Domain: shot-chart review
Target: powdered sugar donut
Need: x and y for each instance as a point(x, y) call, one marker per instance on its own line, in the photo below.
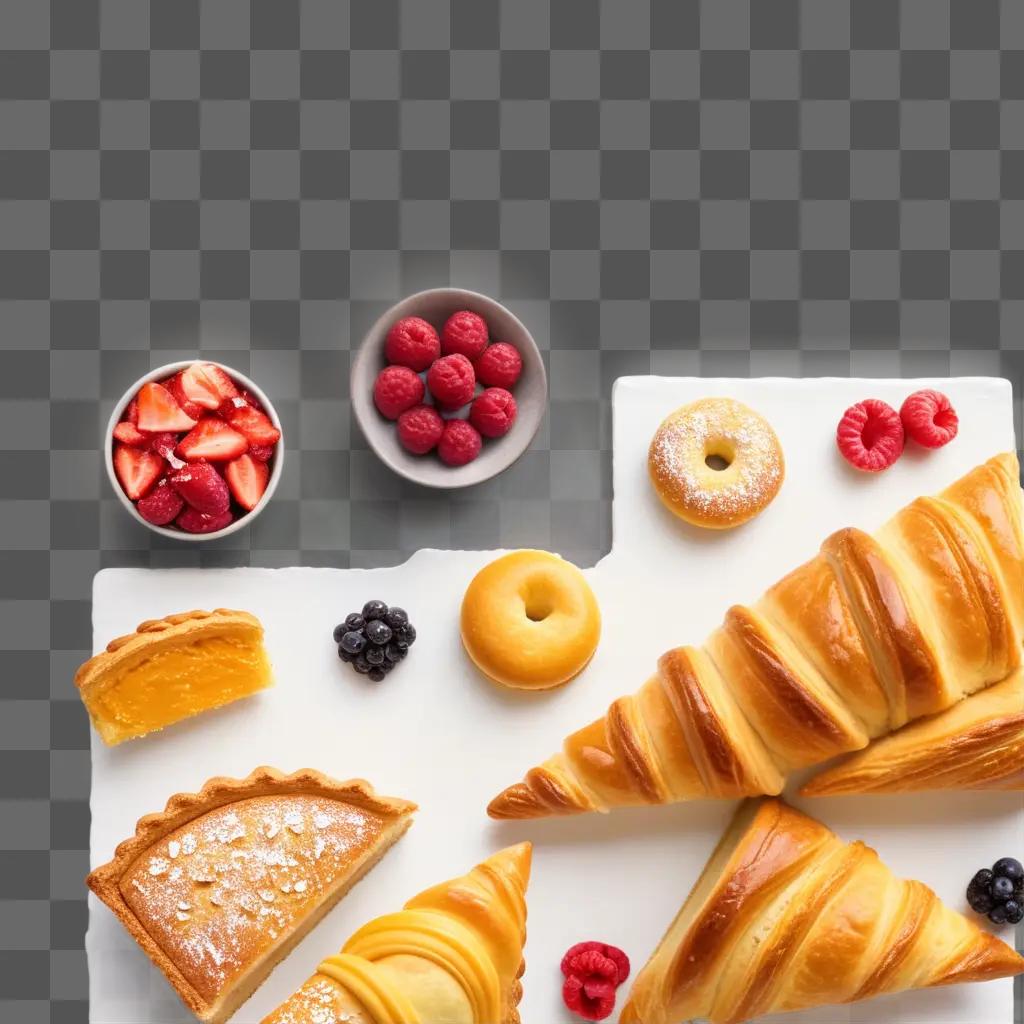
point(716, 463)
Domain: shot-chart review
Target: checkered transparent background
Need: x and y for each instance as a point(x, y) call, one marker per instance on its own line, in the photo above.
point(726, 188)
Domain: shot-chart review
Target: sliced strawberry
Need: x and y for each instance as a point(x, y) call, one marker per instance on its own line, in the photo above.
point(158, 410)
point(202, 487)
point(207, 385)
point(212, 439)
point(247, 479)
point(192, 409)
point(194, 521)
point(163, 444)
point(254, 423)
point(128, 433)
point(131, 412)
point(137, 470)
point(161, 505)
point(261, 452)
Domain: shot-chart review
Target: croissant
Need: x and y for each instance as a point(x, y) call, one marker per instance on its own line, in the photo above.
point(453, 955)
point(787, 916)
point(977, 744)
point(870, 634)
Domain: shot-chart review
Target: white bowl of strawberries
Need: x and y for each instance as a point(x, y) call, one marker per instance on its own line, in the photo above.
point(449, 388)
point(194, 450)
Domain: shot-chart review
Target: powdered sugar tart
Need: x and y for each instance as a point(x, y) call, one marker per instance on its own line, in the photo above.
point(220, 886)
point(716, 463)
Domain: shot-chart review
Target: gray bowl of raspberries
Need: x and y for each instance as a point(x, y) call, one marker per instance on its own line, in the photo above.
point(449, 388)
point(375, 640)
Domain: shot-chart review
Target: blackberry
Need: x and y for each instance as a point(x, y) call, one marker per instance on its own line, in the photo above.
point(1014, 911)
point(374, 640)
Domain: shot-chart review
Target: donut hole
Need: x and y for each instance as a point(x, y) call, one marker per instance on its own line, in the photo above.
point(716, 462)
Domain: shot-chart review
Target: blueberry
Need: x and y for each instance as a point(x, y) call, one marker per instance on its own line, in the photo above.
point(374, 610)
point(1014, 911)
point(998, 915)
point(1009, 868)
point(1002, 888)
point(407, 634)
point(353, 642)
point(377, 674)
point(396, 618)
point(395, 653)
point(374, 655)
point(339, 631)
point(355, 621)
point(378, 632)
point(343, 654)
point(361, 665)
point(979, 894)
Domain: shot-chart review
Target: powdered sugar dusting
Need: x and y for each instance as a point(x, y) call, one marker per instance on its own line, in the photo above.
point(314, 1003)
point(716, 426)
point(242, 875)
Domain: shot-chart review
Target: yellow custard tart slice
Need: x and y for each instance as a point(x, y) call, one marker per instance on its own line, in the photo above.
point(172, 668)
point(219, 887)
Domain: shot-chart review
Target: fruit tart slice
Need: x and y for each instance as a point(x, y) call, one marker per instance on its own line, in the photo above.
point(173, 668)
point(222, 885)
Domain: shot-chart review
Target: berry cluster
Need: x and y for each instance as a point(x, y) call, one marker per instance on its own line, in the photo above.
point(872, 433)
point(447, 367)
point(593, 971)
point(194, 451)
point(375, 640)
point(999, 893)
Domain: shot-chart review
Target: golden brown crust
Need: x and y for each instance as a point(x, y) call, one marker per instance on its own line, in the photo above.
point(787, 916)
point(977, 744)
point(182, 808)
point(156, 634)
point(870, 634)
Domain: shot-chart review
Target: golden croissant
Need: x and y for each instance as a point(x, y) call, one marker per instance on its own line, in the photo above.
point(453, 955)
point(977, 744)
point(872, 633)
point(787, 916)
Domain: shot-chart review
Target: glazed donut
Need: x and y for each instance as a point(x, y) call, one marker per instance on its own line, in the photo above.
point(715, 463)
point(530, 620)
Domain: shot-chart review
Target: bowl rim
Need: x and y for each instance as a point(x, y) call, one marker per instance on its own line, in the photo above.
point(167, 370)
point(362, 404)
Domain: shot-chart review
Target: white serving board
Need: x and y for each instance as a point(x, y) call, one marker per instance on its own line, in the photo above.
point(438, 733)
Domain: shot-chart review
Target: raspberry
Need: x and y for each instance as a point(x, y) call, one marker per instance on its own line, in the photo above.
point(592, 1000)
point(419, 429)
point(499, 366)
point(493, 412)
point(870, 435)
point(465, 333)
point(412, 342)
point(929, 419)
point(460, 443)
point(452, 381)
point(396, 389)
point(579, 960)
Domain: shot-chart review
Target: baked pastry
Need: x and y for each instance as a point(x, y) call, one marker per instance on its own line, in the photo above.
point(976, 744)
point(870, 634)
point(221, 886)
point(787, 916)
point(453, 955)
point(173, 668)
point(530, 620)
point(715, 463)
